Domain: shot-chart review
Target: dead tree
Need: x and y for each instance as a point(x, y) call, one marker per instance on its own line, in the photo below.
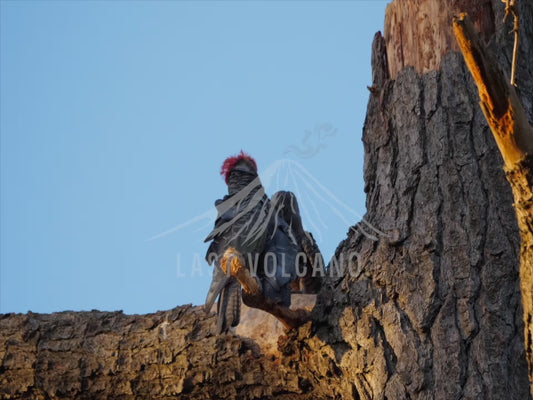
point(514, 136)
point(423, 298)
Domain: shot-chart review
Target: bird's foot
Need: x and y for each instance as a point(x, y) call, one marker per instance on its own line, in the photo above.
point(290, 318)
point(232, 263)
point(293, 319)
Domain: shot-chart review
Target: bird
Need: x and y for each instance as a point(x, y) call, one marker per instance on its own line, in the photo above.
point(257, 244)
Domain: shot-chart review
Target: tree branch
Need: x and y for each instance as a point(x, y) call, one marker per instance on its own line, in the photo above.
point(499, 101)
point(510, 8)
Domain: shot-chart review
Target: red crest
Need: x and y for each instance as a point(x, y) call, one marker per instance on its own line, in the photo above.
point(230, 163)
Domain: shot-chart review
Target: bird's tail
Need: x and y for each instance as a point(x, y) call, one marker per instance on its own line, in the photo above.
point(229, 306)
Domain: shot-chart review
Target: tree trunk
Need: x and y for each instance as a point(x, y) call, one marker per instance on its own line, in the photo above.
point(429, 306)
point(514, 136)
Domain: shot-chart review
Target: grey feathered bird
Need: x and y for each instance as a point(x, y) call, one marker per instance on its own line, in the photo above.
point(268, 235)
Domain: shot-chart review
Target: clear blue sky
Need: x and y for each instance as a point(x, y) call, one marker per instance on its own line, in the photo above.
point(116, 116)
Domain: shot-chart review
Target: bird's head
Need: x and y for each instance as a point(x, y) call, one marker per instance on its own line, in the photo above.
point(241, 162)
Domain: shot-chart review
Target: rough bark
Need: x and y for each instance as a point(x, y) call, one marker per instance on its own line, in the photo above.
point(521, 180)
point(514, 136)
point(428, 309)
point(90, 355)
point(441, 292)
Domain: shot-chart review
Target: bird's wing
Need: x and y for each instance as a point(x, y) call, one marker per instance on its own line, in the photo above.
point(278, 264)
point(288, 210)
point(224, 214)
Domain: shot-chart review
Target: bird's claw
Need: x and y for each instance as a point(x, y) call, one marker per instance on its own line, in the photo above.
point(231, 262)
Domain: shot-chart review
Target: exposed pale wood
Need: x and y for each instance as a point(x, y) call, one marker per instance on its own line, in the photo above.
point(418, 32)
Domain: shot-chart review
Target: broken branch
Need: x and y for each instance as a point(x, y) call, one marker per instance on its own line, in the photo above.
point(499, 101)
point(511, 8)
